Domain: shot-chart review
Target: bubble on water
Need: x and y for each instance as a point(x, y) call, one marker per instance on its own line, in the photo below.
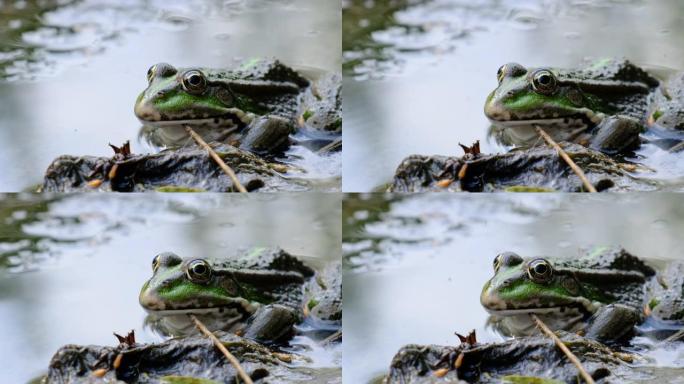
point(660, 224)
point(564, 244)
point(361, 215)
point(571, 35)
point(525, 19)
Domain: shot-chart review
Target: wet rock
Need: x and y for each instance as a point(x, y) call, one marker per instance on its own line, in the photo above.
point(190, 357)
point(490, 363)
point(185, 169)
point(535, 169)
point(323, 105)
point(326, 303)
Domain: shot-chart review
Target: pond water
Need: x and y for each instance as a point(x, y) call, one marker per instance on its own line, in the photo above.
point(415, 265)
point(70, 71)
point(418, 72)
point(72, 266)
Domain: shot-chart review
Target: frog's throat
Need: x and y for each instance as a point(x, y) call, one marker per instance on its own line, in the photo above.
point(232, 305)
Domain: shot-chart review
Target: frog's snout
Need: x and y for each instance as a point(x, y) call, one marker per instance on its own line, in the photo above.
point(494, 109)
point(490, 300)
point(150, 301)
point(145, 111)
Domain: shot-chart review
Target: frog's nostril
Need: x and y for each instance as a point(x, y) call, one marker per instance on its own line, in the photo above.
point(161, 94)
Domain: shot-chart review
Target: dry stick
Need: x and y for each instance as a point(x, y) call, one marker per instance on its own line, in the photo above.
point(241, 372)
point(567, 159)
point(229, 171)
point(573, 359)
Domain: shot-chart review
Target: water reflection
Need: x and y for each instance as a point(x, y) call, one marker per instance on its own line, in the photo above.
point(415, 265)
point(73, 266)
point(72, 74)
point(421, 89)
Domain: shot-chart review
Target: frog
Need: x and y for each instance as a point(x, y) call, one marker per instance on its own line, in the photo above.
point(258, 293)
point(601, 294)
point(259, 101)
point(603, 105)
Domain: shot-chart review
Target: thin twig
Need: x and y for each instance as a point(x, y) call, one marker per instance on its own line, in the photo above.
point(567, 159)
point(675, 337)
point(229, 171)
point(573, 359)
point(333, 337)
point(241, 372)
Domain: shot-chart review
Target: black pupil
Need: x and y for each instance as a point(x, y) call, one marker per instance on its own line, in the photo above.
point(194, 80)
point(199, 269)
point(540, 269)
point(544, 79)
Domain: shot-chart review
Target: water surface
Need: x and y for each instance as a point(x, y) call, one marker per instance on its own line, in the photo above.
point(415, 265)
point(72, 266)
point(418, 72)
point(70, 71)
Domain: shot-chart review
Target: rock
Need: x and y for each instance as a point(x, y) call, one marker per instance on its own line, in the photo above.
point(538, 168)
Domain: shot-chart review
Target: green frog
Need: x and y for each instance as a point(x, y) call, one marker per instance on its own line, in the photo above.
point(259, 294)
point(604, 106)
point(259, 101)
point(602, 293)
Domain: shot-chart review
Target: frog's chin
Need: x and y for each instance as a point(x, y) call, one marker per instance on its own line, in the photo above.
point(179, 322)
point(524, 132)
point(518, 322)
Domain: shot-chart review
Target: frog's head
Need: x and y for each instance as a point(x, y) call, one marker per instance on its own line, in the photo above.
point(538, 96)
point(522, 286)
point(191, 285)
point(177, 96)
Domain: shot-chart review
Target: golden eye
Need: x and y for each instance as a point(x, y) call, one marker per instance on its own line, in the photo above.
point(497, 262)
point(500, 73)
point(544, 82)
point(155, 263)
point(151, 72)
point(540, 271)
point(198, 271)
point(194, 81)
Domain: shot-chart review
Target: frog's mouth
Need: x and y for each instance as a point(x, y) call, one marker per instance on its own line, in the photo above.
point(564, 310)
point(231, 117)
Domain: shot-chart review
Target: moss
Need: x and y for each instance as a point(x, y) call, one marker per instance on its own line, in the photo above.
point(653, 303)
point(312, 304)
point(174, 188)
point(526, 188)
point(186, 380)
point(657, 114)
point(517, 379)
point(307, 114)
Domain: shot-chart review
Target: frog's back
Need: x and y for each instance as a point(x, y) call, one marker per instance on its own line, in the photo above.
point(267, 259)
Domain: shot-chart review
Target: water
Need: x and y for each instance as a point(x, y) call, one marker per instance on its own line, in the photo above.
point(418, 72)
point(415, 265)
point(73, 265)
point(70, 71)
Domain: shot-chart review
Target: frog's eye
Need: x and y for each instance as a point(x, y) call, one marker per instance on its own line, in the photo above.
point(544, 82)
point(500, 73)
point(155, 263)
point(540, 271)
point(150, 73)
point(198, 271)
point(507, 259)
point(194, 82)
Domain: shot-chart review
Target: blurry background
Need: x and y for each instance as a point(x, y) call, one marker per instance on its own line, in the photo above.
point(71, 267)
point(414, 266)
point(417, 72)
point(70, 70)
